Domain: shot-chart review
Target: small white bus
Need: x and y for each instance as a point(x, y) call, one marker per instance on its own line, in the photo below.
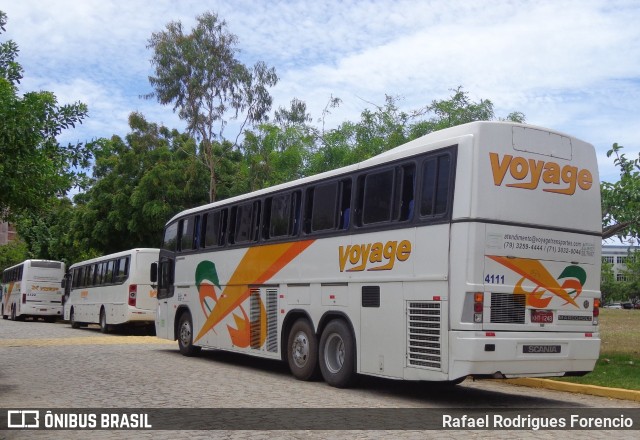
point(472, 251)
point(33, 289)
point(112, 290)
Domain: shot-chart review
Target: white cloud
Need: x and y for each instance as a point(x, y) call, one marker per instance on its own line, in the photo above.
point(572, 65)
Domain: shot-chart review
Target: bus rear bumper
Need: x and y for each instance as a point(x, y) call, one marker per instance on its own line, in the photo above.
point(137, 315)
point(519, 354)
point(41, 310)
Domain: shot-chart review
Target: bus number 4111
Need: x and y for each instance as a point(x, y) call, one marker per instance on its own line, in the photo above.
point(494, 279)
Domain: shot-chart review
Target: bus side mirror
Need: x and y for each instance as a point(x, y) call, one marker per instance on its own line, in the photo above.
point(63, 284)
point(153, 275)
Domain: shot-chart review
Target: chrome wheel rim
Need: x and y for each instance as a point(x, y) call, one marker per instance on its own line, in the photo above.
point(300, 348)
point(334, 353)
point(185, 333)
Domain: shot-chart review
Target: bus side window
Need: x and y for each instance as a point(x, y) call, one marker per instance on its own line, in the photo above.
point(222, 231)
point(279, 216)
point(378, 197)
point(210, 229)
point(108, 276)
point(185, 234)
point(405, 189)
point(435, 186)
point(257, 211)
point(321, 209)
point(244, 223)
point(345, 204)
point(196, 232)
point(296, 202)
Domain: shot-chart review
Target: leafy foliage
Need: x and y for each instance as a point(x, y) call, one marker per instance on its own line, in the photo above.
point(621, 200)
point(139, 183)
point(34, 167)
point(12, 253)
point(201, 76)
point(387, 126)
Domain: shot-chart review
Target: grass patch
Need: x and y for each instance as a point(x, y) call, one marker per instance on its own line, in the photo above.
point(613, 371)
point(619, 362)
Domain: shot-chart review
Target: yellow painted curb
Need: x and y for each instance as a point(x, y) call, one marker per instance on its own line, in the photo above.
point(593, 390)
point(88, 340)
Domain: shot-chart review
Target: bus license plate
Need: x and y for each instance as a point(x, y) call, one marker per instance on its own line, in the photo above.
point(541, 349)
point(542, 316)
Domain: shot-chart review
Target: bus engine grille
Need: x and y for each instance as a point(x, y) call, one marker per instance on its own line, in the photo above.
point(507, 308)
point(424, 335)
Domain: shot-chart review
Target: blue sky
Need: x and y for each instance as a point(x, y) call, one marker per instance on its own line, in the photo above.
point(573, 66)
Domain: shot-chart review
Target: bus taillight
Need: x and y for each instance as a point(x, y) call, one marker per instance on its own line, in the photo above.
point(478, 304)
point(24, 298)
point(133, 294)
point(596, 311)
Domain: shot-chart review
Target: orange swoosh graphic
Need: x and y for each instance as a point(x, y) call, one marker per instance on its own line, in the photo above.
point(534, 271)
point(258, 265)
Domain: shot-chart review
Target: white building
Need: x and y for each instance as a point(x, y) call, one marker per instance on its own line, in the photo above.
point(617, 255)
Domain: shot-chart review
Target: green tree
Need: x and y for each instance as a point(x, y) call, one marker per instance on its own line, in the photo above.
point(13, 253)
point(139, 184)
point(621, 200)
point(632, 277)
point(456, 110)
point(387, 126)
point(609, 287)
point(34, 167)
point(278, 153)
point(200, 74)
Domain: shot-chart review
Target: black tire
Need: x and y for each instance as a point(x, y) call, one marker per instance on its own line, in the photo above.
point(185, 336)
point(13, 313)
point(104, 327)
point(337, 354)
point(302, 350)
point(72, 320)
point(3, 315)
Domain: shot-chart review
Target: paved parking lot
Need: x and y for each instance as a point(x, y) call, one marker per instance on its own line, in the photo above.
point(53, 366)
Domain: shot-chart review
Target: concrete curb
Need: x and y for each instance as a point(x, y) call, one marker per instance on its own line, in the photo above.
point(594, 390)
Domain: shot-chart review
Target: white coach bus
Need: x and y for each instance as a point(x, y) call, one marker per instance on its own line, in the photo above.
point(33, 289)
point(472, 251)
point(111, 290)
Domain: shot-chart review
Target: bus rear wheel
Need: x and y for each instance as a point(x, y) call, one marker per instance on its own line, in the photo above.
point(337, 359)
point(185, 336)
point(302, 350)
point(72, 319)
point(104, 327)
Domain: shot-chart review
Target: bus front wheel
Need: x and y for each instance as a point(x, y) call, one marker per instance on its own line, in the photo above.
point(337, 360)
point(302, 350)
point(185, 336)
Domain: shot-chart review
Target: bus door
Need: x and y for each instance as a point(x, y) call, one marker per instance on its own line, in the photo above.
point(164, 319)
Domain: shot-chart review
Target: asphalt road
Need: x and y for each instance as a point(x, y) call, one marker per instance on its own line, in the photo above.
point(53, 366)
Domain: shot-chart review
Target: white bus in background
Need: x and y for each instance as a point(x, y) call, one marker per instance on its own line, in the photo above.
point(112, 290)
point(472, 251)
point(33, 289)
